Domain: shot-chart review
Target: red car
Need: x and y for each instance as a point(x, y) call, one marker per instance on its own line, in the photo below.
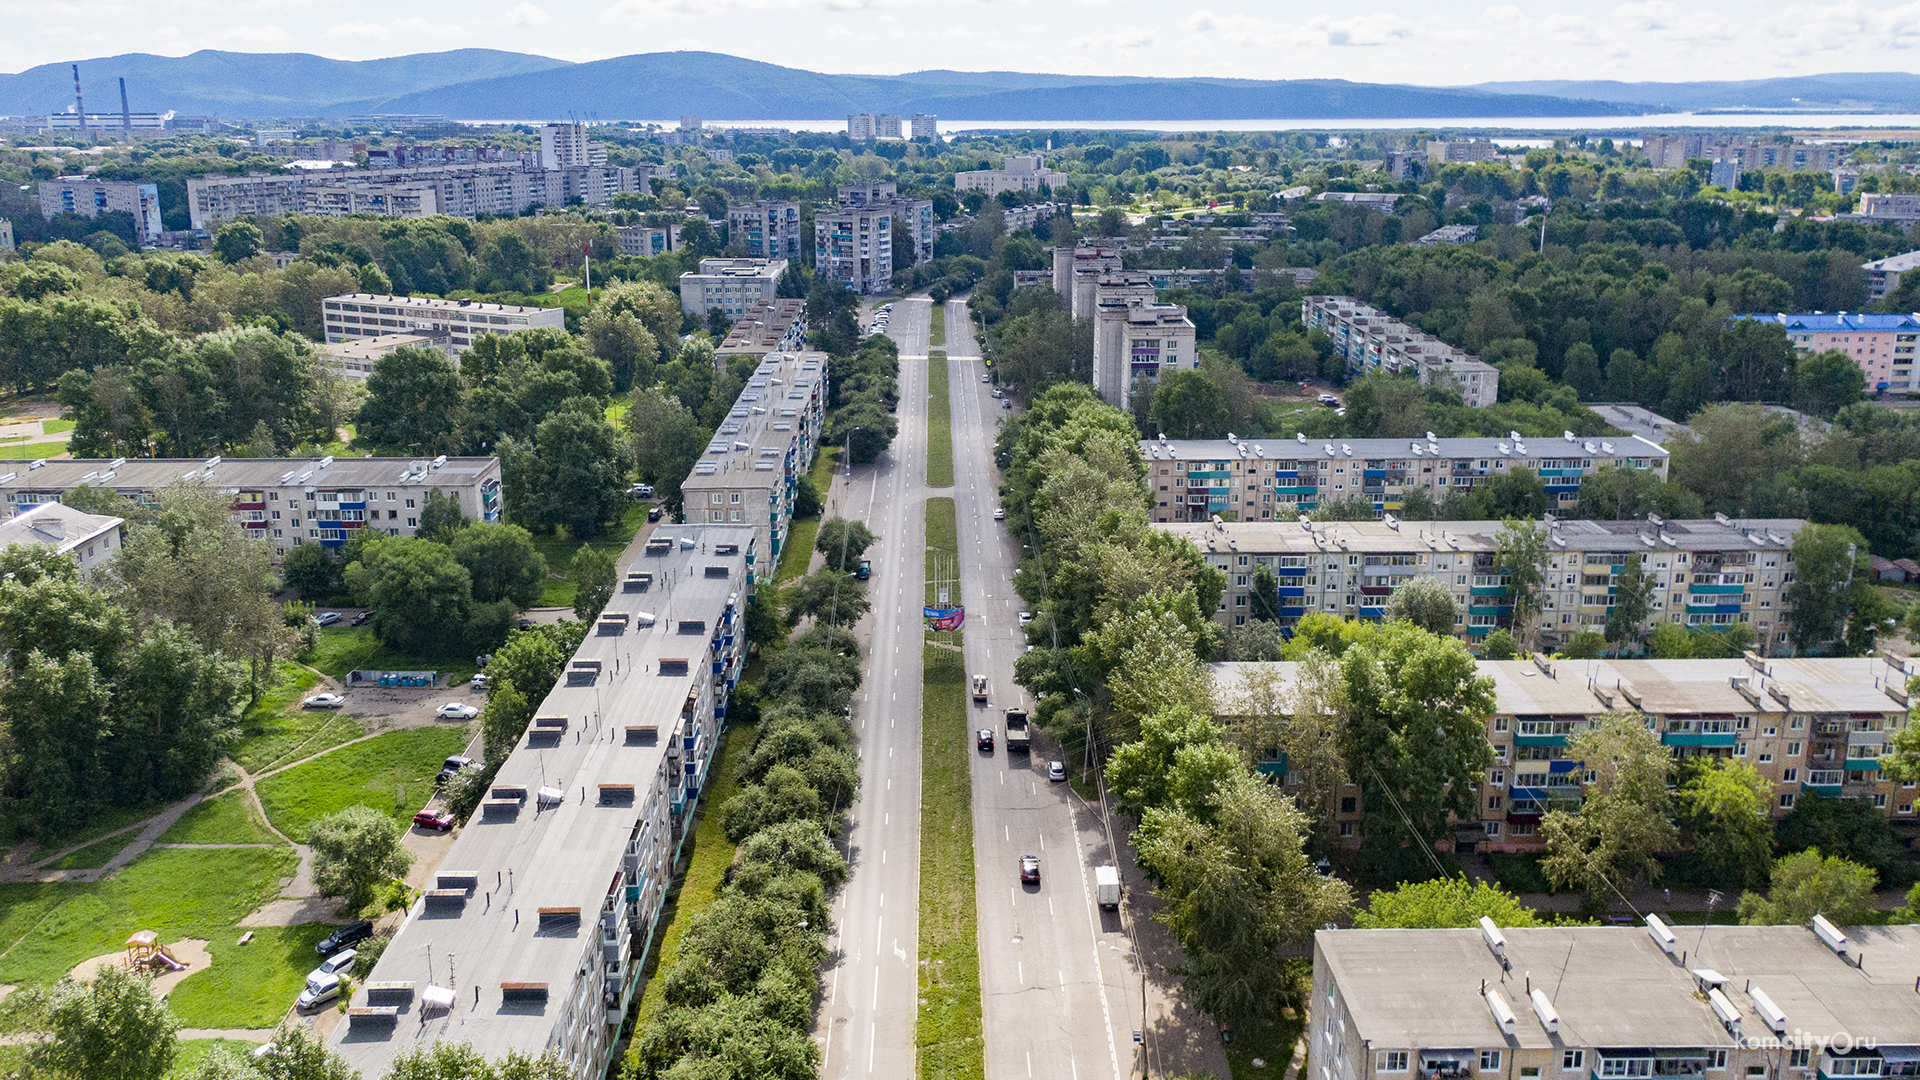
point(435, 820)
point(1029, 870)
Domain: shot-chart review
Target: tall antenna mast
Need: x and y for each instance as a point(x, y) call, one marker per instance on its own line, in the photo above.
point(79, 106)
point(126, 114)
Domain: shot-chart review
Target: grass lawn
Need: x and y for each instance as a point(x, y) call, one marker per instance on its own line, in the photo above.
point(223, 819)
point(98, 853)
point(46, 929)
point(33, 451)
point(343, 648)
point(277, 730)
point(248, 985)
point(192, 1052)
point(560, 550)
point(706, 872)
point(798, 551)
point(392, 773)
point(1272, 1044)
point(948, 1033)
point(821, 474)
point(937, 334)
point(939, 426)
point(55, 427)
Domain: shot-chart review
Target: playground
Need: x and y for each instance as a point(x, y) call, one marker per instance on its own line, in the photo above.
point(143, 954)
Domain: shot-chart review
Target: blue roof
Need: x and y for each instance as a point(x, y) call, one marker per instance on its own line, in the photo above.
point(1821, 322)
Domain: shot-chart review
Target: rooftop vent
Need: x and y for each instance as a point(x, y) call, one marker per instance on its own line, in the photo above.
point(1502, 1015)
point(1543, 1008)
point(1662, 936)
point(1775, 1019)
point(1496, 941)
point(1829, 934)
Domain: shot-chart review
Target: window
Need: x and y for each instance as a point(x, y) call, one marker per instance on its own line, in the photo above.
point(1765, 758)
point(1573, 1060)
point(1716, 1059)
point(1392, 1061)
point(1529, 1070)
point(409, 504)
point(1786, 802)
point(1499, 723)
point(1489, 1061)
point(1347, 804)
point(1493, 829)
point(1497, 778)
point(1879, 802)
point(1494, 802)
point(1788, 776)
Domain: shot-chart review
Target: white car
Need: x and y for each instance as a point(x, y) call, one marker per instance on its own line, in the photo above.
point(323, 701)
point(320, 990)
point(335, 964)
point(999, 513)
point(456, 710)
point(984, 377)
point(1026, 617)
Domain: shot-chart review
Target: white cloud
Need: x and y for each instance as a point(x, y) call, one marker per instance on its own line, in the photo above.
point(1125, 37)
point(360, 31)
point(527, 14)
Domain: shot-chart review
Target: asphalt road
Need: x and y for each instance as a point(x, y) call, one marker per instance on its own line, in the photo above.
point(1061, 993)
point(866, 1025)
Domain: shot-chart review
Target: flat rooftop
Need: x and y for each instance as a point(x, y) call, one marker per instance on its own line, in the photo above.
point(424, 302)
point(1378, 537)
point(1301, 448)
point(1614, 987)
point(152, 474)
point(749, 449)
point(564, 855)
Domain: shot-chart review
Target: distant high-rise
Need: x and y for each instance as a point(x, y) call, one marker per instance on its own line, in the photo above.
point(691, 123)
point(924, 126)
point(565, 146)
point(886, 126)
point(860, 126)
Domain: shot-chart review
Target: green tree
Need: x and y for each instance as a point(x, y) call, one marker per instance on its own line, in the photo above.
point(440, 516)
point(356, 850)
point(114, 1028)
point(1583, 645)
point(594, 579)
point(1633, 589)
point(832, 597)
point(533, 658)
point(1266, 595)
point(416, 403)
point(577, 474)
point(1823, 560)
point(502, 563)
point(1627, 817)
point(237, 241)
point(1141, 773)
point(1726, 812)
point(460, 1061)
point(1188, 405)
point(1522, 553)
point(504, 720)
point(865, 427)
point(1427, 603)
point(1582, 371)
point(312, 569)
point(1670, 641)
point(1805, 884)
point(420, 593)
point(1443, 902)
point(1826, 382)
point(297, 1055)
point(843, 542)
point(1499, 645)
point(667, 440)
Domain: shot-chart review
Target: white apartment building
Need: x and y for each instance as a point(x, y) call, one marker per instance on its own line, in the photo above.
point(732, 285)
point(853, 245)
point(1442, 151)
point(1883, 275)
point(352, 316)
point(867, 126)
point(564, 146)
point(1892, 205)
point(915, 214)
point(282, 501)
point(88, 197)
point(92, 539)
point(925, 126)
point(534, 933)
point(1279, 479)
point(1136, 340)
point(500, 189)
point(1020, 172)
point(752, 468)
point(1709, 573)
point(765, 228)
point(1084, 262)
point(645, 242)
point(354, 359)
point(769, 326)
point(1372, 340)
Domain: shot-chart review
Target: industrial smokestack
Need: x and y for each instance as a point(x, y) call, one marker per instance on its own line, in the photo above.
point(126, 114)
point(79, 106)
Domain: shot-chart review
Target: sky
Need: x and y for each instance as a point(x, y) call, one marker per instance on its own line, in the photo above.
point(1427, 42)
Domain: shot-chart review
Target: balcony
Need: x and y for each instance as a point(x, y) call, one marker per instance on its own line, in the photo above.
point(1823, 782)
point(1698, 738)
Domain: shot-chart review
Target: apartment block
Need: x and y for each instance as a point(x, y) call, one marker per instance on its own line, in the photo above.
point(499, 189)
point(854, 247)
point(533, 934)
point(645, 242)
point(1443, 151)
point(88, 197)
point(1136, 340)
point(769, 326)
point(915, 214)
point(1606, 1002)
point(765, 228)
point(751, 469)
point(1881, 344)
point(6, 235)
point(1371, 340)
point(1244, 480)
point(732, 285)
point(1745, 151)
point(1020, 173)
point(564, 146)
point(282, 501)
point(925, 126)
point(355, 358)
point(1707, 572)
point(1084, 261)
point(873, 126)
point(351, 316)
point(1883, 275)
point(93, 540)
point(1890, 205)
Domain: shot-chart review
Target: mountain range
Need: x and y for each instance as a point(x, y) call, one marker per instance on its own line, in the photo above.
point(488, 84)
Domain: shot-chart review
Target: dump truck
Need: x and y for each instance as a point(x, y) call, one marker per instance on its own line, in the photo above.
point(1106, 887)
point(1017, 736)
point(980, 689)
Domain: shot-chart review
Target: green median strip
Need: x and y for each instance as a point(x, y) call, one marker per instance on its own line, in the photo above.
point(939, 425)
point(948, 1034)
point(938, 335)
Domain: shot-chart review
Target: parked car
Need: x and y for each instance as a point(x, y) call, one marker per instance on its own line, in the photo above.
point(984, 377)
point(456, 710)
point(479, 682)
point(1006, 403)
point(1026, 617)
point(323, 701)
point(653, 513)
point(866, 570)
point(999, 513)
point(1029, 869)
point(1056, 770)
point(983, 739)
point(999, 393)
point(641, 491)
point(357, 620)
point(449, 767)
point(335, 964)
point(320, 990)
point(327, 618)
point(434, 820)
point(351, 934)
point(1329, 401)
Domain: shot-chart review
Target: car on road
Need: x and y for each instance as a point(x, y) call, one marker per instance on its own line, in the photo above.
point(999, 393)
point(1029, 869)
point(1026, 617)
point(983, 739)
point(1056, 770)
point(323, 701)
point(999, 513)
point(984, 377)
point(456, 710)
point(434, 820)
point(347, 936)
point(357, 620)
point(320, 989)
point(450, 768)
point(653, 513)
point(327, 618)
point(1006, 403)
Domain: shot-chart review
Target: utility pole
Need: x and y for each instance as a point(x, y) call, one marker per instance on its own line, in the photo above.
point(126, 115)
point(79, 105)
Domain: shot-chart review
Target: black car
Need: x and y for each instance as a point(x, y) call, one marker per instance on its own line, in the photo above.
point(360, 618)
point(450, 768)
point(983, 739)
point(348, 935)
point(653, 513)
